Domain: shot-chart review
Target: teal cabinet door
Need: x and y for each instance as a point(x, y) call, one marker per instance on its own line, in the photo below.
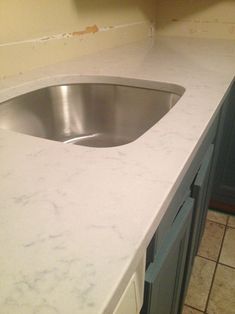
point(164, 276)
point(201, 194)
point(223, 196)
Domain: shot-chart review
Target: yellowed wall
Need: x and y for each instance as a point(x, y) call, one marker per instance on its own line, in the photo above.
point(35, 33)
point(196, 18)
point(41, 32)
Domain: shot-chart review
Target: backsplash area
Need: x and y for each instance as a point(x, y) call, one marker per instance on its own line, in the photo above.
point(37, 33)
point(196, 18)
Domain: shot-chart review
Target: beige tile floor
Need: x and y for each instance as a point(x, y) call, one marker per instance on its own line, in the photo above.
point(212, 284)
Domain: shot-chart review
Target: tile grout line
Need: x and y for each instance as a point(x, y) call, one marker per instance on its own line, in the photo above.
point(216, 222)
point(193, 308)
point(216, 266)
point(218, 212)
point(220, 223)
point(208, 259)
point(230, 227)
point(226, 227)
point(216, 262)
point(227, 219)
point(231, 267)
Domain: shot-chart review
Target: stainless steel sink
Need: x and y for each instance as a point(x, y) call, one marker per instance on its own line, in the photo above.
point(90, 114)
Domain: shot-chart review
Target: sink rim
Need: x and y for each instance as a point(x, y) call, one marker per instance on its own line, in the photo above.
point(157, 86)
point(90, 79)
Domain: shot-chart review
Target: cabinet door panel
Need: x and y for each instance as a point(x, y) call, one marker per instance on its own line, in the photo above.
point(164, 276)
point(201, 195)
point(128, 303)
point(132, 298)
point(224, 183)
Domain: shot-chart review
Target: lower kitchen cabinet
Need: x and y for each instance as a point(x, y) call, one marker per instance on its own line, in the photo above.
point(171, 252)
point(200, 191)
point(164, 275)
point(223, 196)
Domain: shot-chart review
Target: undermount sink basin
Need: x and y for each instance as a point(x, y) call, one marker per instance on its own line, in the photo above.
point(96, 114)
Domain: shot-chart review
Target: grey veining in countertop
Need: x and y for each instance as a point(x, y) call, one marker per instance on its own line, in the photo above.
point(74, 221)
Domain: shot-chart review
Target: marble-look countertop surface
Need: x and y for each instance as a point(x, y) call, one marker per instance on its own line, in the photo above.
point(74, 220)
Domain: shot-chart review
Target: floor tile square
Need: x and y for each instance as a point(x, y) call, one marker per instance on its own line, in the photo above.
point(231, 221)
point(227, 256)
point(189, 310)
point(222, 298)
point(200, 283)
point(211, 240)
point(217, 217)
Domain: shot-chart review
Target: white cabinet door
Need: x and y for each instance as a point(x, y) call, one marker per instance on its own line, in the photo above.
point(132, 298)
point(128, 302)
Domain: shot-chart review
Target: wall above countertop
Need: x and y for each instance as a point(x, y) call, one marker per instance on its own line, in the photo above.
point(196, 18)
point(35, 34)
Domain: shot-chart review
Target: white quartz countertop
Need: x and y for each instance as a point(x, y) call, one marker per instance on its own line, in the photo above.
point(74, 220)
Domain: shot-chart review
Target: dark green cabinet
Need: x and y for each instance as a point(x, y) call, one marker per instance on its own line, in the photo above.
point(171, 252)
point(223, 196)
point(201, 195)
point(200, 192)
point(164, 275)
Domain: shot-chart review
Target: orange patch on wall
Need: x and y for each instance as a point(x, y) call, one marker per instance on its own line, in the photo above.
point(88, 30)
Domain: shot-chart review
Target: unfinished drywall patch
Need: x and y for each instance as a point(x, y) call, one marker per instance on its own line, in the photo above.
point(88, 30)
